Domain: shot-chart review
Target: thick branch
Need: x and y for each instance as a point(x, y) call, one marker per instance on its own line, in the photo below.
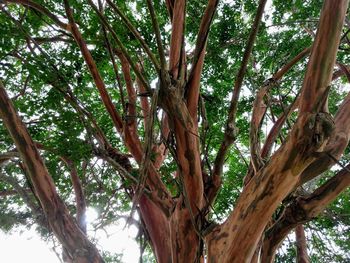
point(320, 68)
point(63, 225)
point(335, 145)
point(302, 256)
point(177, 41)
point(304, 209)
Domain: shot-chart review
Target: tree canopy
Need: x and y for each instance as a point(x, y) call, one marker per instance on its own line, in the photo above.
point(87, 79)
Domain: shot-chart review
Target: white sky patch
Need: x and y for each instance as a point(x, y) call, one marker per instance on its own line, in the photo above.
point(25, 247)
point(120, 239)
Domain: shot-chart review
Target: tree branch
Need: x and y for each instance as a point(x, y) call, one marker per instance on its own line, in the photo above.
point(54, 208)
point(202, 35)
point(314, 88)
point(42, 10)
point(302, 256)
point(117, 121)
point(303, 209)
point(155, 24)
point(121, 46)
point(80, 201)
point(260, 199)
point(177, 41)
point(230, 130)
point(137, 35)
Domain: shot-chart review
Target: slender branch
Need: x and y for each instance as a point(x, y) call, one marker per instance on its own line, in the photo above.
point(170, 6)
point(121, 46)
point(42, 10)
point(137, 35)
point(230, 130)
point(79, 193)
point(240, 75)
point(115, 67)
point(203, 33)
point(4, 157)
point(117, 121)
point(146, 159)
point(155, 24)
point(266, 150)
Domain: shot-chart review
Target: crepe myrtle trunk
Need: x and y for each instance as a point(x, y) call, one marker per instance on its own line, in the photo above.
point(177, 226)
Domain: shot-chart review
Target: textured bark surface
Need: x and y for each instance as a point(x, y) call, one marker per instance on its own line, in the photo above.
point(177, 226)
point(74, 241)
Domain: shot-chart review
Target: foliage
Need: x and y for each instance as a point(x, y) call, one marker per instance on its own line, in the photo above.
point(38, 71)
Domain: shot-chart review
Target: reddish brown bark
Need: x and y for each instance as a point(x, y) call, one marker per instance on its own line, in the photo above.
point(230, 129)
point(302, 256)
point(238, 237)
point(174, 225)
point(176, 59)
point(61, 222)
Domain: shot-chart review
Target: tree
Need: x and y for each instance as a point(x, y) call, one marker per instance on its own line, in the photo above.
point(135, 101)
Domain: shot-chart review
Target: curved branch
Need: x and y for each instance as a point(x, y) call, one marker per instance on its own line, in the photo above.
point(302, 210)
